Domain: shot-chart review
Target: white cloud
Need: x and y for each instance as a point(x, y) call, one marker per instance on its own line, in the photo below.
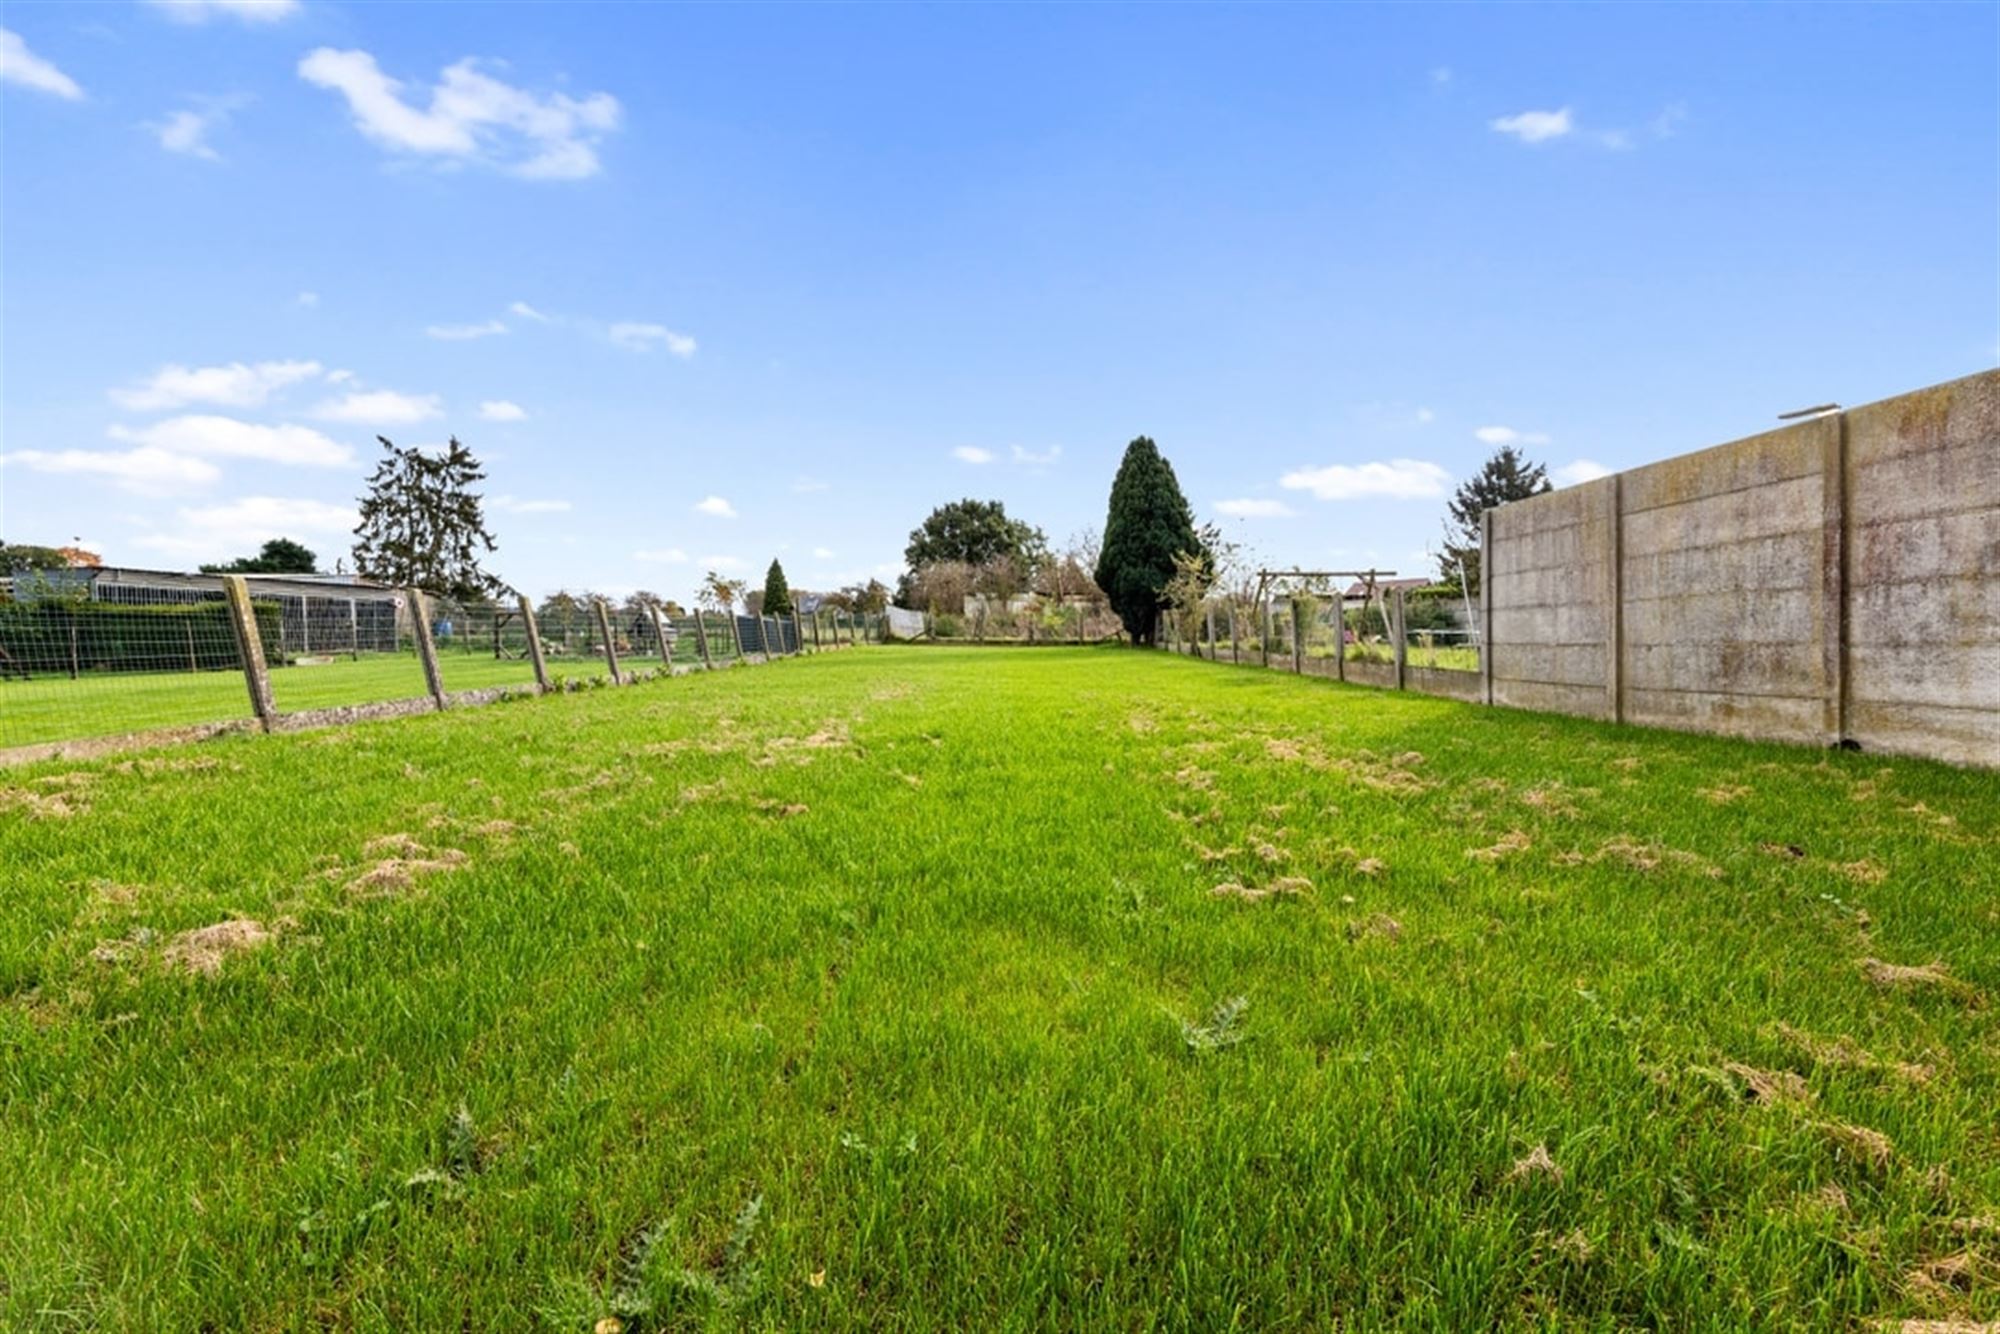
point(309, 298)
point(381, 407)
point(1440, 76)
point(804, 485)
point(1507, 435)
point(1534, 127)
point(527, 312)
point(226, 437)
point(213, 531)
point(1032, 459)
point(1425, 416)
point(716, 507)
point(458, 333)
point(145, 470)
point(720, 563)
point(250, 11)
point(644, 337)
point(972, 454)
point(502, 410)
point(1397, 479)
point(661, 556)
point(20, 65)
point(186, 131)
point(823, 553)
point(233, 386)
point(342, 376)
point(1254, 509)
point(1668, 123)
point(472, 116)
point(515, 505)
point(1583, 470)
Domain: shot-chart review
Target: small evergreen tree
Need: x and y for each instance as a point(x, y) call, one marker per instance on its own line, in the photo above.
point(422, 525)
point(1149, 523)
point(777, 593)
point(1505, 477)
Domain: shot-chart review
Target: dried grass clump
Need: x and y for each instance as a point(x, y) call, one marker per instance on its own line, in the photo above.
point(1769, 1087)
point(1511, 842)
point(204, 949)
point(1536, 1163)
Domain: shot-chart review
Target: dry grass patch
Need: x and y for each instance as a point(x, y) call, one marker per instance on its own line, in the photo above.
point(1536, 1164)
point(1285, 887)
point(204, 949)
point(1844, 1051)
point(1628, 851)
point(1770, 1087)
point(1913, 977)
point(1511, 842)
point(1375, 926)
point(1722, 794)
point(413, 862)
point(1871, 1147)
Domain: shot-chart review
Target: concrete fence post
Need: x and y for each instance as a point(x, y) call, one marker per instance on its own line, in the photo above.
point(798, 631)
point(816, 643)
point(420, 621)
point(250, 649)
point(535, 658)
point(1402, 641)
point(1614, 603)
point(660, 637)
point(1486, 606)
point(1235, 643)
point(735, 631)
point(1298, 637)
point(610, 640)
point(701, 638)
point(1264, 640)
point(1211, 632)
point(1833, 575)
point(1339, 635)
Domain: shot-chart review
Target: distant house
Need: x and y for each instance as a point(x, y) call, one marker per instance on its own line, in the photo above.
point(1357, 594)
point(319, 613)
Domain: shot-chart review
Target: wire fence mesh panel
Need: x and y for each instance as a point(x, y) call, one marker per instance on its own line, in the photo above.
point(71, 668)
point(572, 642)
point(364, 652)
point(481, 645)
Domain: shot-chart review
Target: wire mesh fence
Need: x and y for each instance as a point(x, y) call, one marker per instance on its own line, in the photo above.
point(1358, 637)
point(82, 660)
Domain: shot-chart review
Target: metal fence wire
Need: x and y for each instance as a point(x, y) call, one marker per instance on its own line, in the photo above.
point(84, 658)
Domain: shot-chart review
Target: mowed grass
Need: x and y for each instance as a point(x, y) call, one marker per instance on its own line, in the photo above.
point(892, 989)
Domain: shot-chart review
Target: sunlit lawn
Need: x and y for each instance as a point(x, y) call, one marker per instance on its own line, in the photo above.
point(1005, 988)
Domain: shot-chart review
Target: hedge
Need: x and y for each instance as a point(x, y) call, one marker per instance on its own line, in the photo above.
point(52, 634)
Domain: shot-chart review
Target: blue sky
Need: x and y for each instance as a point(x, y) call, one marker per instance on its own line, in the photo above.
point(710, 284)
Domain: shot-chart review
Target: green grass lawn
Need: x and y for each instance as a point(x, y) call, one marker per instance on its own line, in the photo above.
point(960, 989)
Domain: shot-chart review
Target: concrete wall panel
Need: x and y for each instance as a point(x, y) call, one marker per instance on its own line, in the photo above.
point(1839, 577)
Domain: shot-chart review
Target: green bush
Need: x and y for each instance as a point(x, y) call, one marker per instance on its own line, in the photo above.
point(49, 634)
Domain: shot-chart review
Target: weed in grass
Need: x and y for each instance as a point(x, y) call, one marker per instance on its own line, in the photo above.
point(1222, 1028)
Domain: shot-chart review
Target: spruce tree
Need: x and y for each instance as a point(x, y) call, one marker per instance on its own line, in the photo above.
point(1507, 476)
point(1149, 523)
point(777, 594)
point(422, 525)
